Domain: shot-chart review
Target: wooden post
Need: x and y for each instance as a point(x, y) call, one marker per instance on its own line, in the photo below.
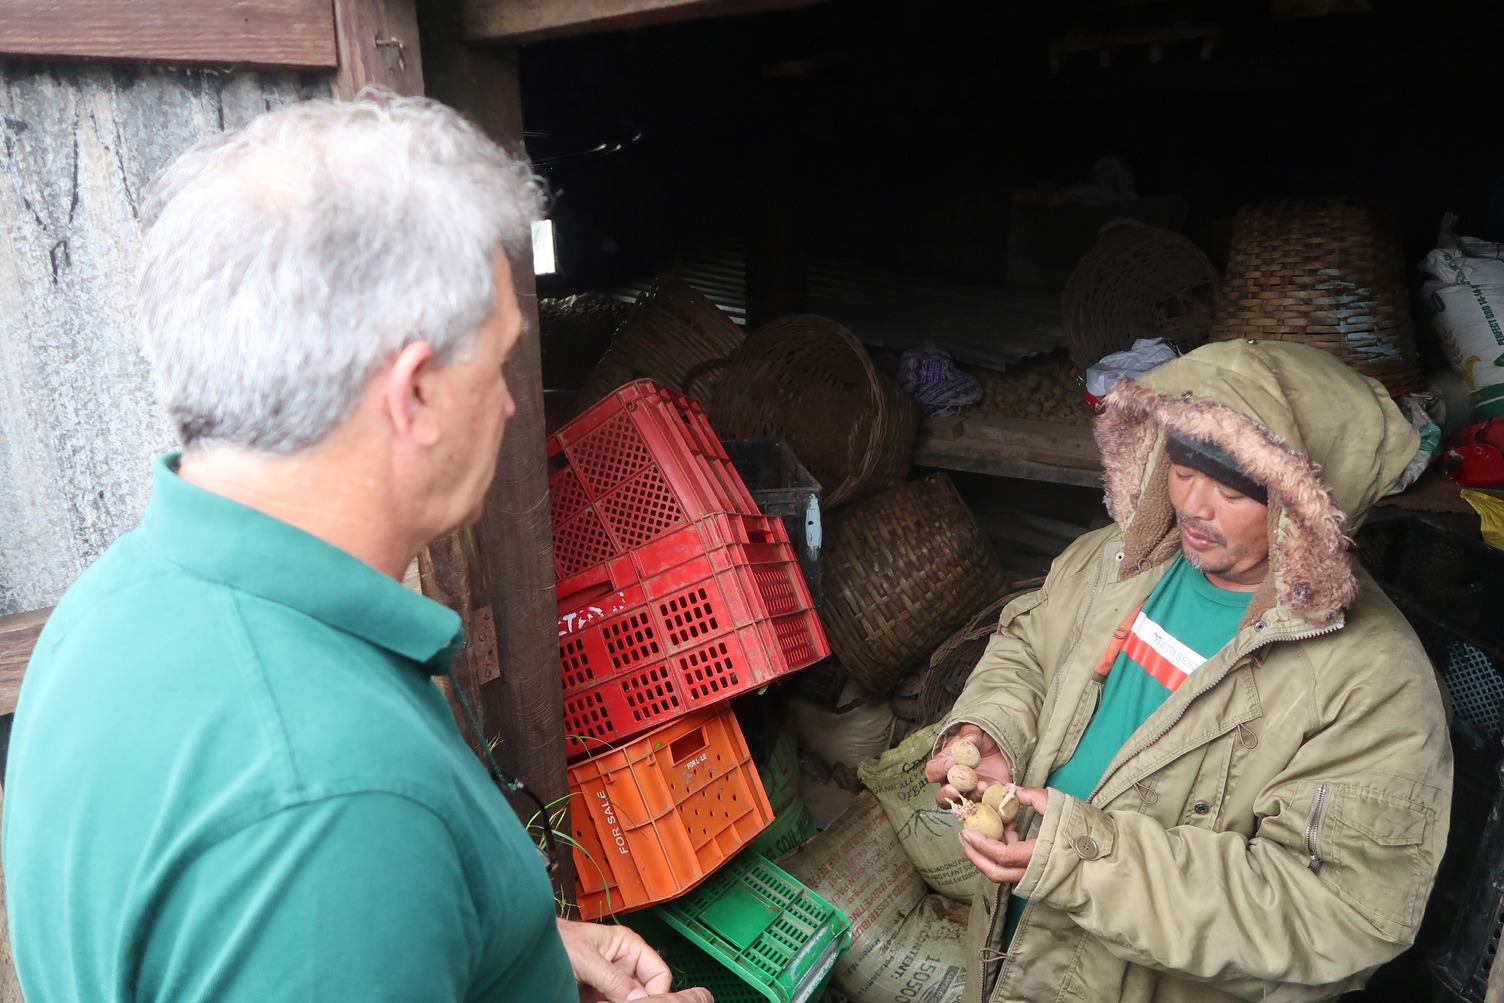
point(512, 658)
point(378, 44)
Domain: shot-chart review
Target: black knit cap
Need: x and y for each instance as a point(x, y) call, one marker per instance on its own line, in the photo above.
point(1214, 461)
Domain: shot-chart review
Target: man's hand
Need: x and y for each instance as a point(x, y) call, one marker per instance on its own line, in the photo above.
point(993, 769)
point(1005, 860)
point(612, 963)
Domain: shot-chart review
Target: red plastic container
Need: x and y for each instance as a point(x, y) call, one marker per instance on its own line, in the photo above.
point(639, 464)
point(719, 622)
point(656, 817)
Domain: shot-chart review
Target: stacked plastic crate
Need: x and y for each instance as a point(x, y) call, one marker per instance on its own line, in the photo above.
point(675, 593)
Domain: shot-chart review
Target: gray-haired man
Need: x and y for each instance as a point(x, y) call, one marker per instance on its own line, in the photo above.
point(231, 777)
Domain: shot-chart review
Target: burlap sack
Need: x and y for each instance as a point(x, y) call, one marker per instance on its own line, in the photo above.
point(906, 946)
point(930, 835)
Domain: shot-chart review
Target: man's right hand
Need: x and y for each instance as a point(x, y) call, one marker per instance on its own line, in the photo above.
point(993, 769)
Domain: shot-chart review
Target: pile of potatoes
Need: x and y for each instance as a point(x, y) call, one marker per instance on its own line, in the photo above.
point(1039, 387)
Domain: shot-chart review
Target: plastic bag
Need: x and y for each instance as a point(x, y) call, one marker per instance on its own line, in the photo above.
point(1145, 355)
point(1464, 297)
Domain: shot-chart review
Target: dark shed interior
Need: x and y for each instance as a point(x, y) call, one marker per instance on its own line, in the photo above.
point(893, 136)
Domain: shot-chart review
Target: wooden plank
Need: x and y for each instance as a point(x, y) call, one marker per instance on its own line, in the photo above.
point(1045, 441)
point(293, 33)
point(982, 457)
point(950, 427)
point(1014, 447)
point(514, 21)
point(18, 635)
point(378, 44)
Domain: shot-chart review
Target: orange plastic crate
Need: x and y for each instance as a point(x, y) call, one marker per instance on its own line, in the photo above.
point(657, 816)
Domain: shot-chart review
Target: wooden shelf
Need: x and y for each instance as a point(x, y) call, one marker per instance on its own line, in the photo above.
point(1010, 447)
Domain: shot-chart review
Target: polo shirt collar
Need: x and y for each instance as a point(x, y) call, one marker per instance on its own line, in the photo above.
point(225, 541)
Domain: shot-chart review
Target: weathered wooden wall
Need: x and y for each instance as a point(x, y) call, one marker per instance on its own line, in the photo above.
point(78, 422)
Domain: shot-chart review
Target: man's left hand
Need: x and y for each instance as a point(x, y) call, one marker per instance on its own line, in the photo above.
point(1005, 860)
point(611, 962)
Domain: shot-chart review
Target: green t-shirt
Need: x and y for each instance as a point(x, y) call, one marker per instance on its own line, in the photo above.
point(1186, 621)
point(232, 778)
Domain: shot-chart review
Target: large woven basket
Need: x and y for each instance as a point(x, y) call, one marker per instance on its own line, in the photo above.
point(808, 380)
point(903, 569)
point(951, 664)
point(673, 335)
point(1325, 272)
point(1139, 281)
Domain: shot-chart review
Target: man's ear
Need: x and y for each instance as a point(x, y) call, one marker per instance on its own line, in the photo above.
point(410, 388)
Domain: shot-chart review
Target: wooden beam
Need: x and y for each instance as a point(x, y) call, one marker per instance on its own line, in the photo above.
point(296, 33)
point(511, 22)
point(378, 44)
point(1013, 447)
point(18, 635)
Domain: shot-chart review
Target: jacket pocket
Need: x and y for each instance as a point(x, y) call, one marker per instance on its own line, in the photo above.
point(1374, 852)
point(1018, 608)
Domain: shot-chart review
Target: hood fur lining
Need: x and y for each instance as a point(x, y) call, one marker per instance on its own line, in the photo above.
point(1309, 561)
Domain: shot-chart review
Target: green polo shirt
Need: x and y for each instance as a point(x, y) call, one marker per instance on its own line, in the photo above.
point(232, 778)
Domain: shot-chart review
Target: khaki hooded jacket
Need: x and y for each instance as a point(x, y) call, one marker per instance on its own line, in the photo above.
point(1273, 830)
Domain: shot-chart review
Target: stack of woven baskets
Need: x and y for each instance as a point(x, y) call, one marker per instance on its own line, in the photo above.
point(951, 664)
point(808, 380)
point(1139, 281)
point(1326, 272)
point(673, 335)
point(903, 569)
point(905, 563)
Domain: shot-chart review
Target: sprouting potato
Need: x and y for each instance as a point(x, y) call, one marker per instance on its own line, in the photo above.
point(978, 817)
point(985, 820)
point(965, 753)
point(1003, 799)
point(962, 778)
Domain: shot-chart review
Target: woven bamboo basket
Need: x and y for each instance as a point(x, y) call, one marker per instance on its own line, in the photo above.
point(1139, 281)
point(951, 664)
point(1325, 272)
point(808, 380)
point(673, 335)
point(903, 569)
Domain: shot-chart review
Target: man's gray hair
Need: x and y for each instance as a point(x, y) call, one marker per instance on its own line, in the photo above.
point(286, 262)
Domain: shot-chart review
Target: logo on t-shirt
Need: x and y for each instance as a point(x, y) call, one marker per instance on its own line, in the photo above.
point(1158, 652)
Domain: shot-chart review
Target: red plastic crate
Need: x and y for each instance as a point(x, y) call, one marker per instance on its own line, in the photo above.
point(718, 623)
point(656, 817)
point(758, 539)
point(637, 465)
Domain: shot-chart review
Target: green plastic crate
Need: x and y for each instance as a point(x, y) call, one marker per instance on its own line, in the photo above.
point(749, 934)
point(780, 778)
point(792, 826)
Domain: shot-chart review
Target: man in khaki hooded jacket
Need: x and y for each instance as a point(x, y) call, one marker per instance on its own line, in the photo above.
point(1271, 830)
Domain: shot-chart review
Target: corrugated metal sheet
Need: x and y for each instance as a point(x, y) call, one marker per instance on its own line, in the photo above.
point(981, 326)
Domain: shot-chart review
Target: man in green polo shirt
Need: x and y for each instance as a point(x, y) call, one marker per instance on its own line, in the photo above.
point(231, 775)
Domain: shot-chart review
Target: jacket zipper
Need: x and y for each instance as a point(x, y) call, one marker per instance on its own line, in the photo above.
point(1059, 673)
point(1096, 587)
point(1164, 729)
point(1313, 826)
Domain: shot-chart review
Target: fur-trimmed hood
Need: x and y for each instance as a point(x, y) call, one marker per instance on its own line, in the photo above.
point(1326, 442)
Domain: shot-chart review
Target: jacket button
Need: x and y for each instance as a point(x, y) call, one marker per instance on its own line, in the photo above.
point(1201, 808)
point(1086, 848)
